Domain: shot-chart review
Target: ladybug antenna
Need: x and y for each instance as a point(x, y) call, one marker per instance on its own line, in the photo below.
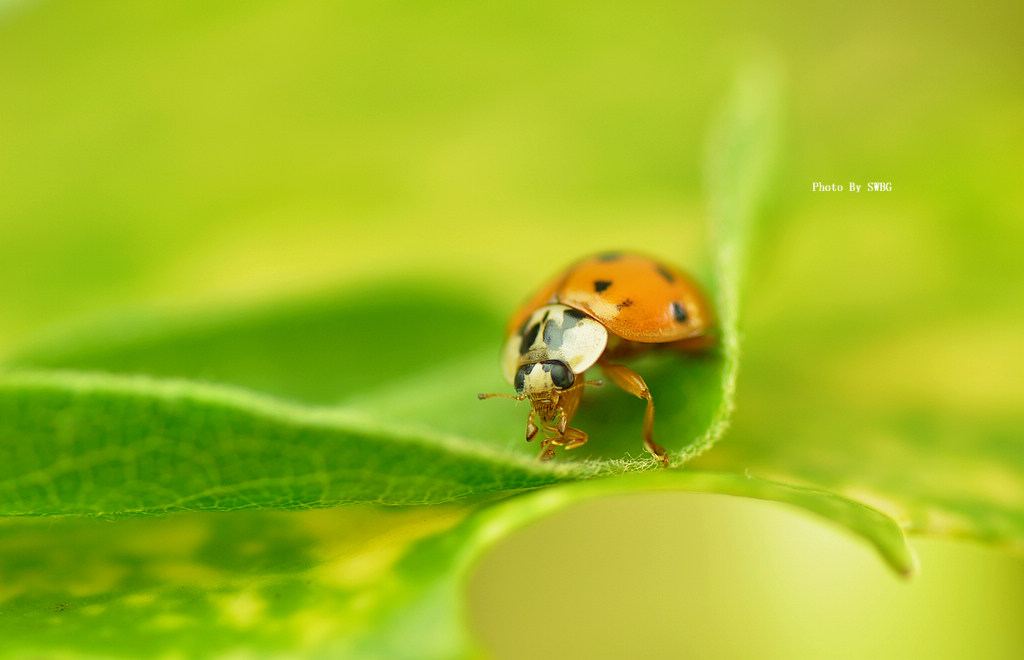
point(521, 397)
point(594, 383)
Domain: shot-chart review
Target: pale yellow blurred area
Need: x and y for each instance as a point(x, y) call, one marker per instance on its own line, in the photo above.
point(710, 576)
point(294, 249)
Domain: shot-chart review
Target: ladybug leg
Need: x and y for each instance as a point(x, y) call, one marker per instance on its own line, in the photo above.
point(631, 382)
point(531, 428)
point(552, 439)
point(557, 429)
point(570, 438)
point(568, 404)
point(573, 438)
point(547, 449)
point(561, 435)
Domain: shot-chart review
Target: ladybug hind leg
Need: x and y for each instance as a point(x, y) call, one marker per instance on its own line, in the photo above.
point(630, 381)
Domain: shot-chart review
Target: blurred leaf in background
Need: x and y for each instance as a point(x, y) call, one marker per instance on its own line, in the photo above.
point(259, 256)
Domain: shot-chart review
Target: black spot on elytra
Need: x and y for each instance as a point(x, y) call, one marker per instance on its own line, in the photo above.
point(679, 312)
point(552, 335)
point(545, 317)
point(571, 317)
point(669, 277)
point(609, 256)
point(625, 303)
point(529, 338)
point(601, 285)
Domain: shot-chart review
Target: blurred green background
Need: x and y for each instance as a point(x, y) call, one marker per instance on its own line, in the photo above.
point(191, 156)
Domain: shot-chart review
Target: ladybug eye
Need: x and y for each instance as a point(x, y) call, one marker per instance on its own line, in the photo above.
point(520, 381)
point(561, 375)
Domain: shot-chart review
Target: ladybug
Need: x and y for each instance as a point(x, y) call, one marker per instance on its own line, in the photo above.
point(603, 309)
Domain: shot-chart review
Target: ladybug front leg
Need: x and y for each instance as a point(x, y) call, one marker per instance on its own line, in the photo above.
point(569, 437)
point(531, 428)
point(573, 438)
point(631, 381)
point(560, 434)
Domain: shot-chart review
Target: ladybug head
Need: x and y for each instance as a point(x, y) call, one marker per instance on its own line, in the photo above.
point(543, 376)
point(543, 383)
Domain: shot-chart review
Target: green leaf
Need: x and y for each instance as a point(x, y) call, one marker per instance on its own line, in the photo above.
point(428, 620)
point(357, 581)
point(317, 349)
point(263, 583)
point(97, 444)
point(954, 473)
point(404, 425)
